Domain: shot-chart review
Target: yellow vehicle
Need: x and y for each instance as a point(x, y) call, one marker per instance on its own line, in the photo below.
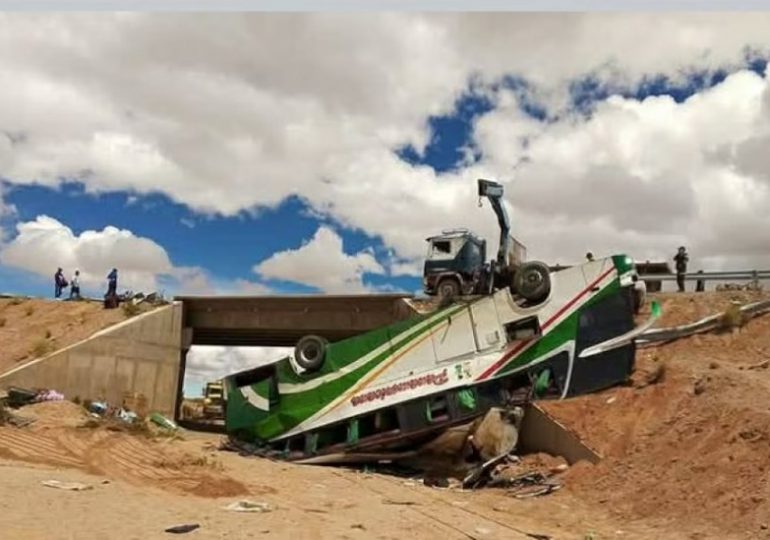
point(213, 400)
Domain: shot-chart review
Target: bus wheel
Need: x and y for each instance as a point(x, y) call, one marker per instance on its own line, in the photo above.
point(310, 352)
point(533, 281)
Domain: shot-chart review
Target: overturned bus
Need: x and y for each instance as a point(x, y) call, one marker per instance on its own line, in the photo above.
point(407, 382)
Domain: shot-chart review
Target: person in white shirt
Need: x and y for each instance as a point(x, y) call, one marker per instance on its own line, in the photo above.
point(75, 286)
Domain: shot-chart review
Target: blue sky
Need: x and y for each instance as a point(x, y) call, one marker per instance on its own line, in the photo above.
point(227, 247)
point(212, 172)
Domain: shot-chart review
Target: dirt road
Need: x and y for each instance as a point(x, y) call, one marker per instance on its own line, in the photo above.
point(156, 482)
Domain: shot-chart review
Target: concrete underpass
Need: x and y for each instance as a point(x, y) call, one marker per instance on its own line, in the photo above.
point(280, 321)
point(146, 355)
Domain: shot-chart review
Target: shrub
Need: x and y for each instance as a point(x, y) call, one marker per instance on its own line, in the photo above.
point(130, 309)
point(29, 311)
point(2, 322)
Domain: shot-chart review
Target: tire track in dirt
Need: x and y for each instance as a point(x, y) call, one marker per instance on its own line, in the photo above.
point(119, 455)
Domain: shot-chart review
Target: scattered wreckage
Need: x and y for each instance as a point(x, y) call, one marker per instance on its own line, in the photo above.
point(533, 333)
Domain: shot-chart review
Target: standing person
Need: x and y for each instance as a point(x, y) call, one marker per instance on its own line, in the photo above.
point(75, 286)
point(59, 282)
point(112, 282)
point(681, 258)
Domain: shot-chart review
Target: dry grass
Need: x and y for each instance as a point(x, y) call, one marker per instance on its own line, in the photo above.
point(16, 301)
point(47, 334)
point(732, 318)
point(130, 309)
point(41, 348)
point(29, 311)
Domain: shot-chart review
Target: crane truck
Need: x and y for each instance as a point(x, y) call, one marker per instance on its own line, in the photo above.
point(390, 387)
point(456, 263)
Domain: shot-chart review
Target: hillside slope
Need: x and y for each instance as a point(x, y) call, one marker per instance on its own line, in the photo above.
point(30, 328)
point(692, 448)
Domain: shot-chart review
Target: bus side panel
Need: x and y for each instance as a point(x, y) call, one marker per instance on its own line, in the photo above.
point(610, 317)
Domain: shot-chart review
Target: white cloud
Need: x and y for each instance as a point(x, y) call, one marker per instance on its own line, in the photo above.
point(7, 210)
point(228, 112)
point(321, 262)
point(644, 176)
point(45, 244)
point(209, 363)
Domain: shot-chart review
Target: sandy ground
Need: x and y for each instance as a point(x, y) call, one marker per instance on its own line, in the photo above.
point(306, 501)
point(34, 327)
point(685, 457)
point(155, 482)
point(691, 449)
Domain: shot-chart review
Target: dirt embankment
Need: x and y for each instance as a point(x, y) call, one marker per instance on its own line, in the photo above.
point(692, 448)
point(31, 328)
point(65, 435)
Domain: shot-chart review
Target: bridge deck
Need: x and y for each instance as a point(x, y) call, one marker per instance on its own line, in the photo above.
point(282, 320)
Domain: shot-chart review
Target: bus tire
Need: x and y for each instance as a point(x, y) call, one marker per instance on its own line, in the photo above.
point(310, 352)
point(532, 281)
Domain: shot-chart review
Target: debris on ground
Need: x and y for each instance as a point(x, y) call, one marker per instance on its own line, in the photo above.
point(160, 420)
point(17, 397)
point(248, 506)
point(68, 486)
point(182, 529)
point(49, 395)
point(534, 484)
point(98, 407)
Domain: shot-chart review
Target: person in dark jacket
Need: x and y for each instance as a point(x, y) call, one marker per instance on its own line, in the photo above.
point(59, 283)
point(112, 283)
point(681, 258)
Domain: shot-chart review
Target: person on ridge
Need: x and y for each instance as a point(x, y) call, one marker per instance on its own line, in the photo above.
point(681, 258)
point(112, 282)
point(75, 286)
point(59, 283)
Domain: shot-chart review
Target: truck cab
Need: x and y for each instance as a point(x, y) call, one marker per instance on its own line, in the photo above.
point(454, 263)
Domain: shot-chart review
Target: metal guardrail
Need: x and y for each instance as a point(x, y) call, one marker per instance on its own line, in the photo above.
point(738, 275)
point(704, 325)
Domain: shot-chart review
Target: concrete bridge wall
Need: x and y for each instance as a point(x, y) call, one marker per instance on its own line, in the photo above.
point(141, 355)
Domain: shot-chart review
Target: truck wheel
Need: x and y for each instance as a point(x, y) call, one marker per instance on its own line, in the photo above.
point(448, 289)
point(310, 352)
point(533, 281)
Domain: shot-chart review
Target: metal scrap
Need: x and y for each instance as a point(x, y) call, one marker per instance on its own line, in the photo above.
point(706, 324)
point(68, 486)
point(248, 506)
point(531, 484)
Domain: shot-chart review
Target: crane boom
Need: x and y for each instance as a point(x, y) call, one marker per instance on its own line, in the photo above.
point(494, 192)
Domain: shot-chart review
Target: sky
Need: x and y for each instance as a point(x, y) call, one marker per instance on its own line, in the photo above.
point(268, 153)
